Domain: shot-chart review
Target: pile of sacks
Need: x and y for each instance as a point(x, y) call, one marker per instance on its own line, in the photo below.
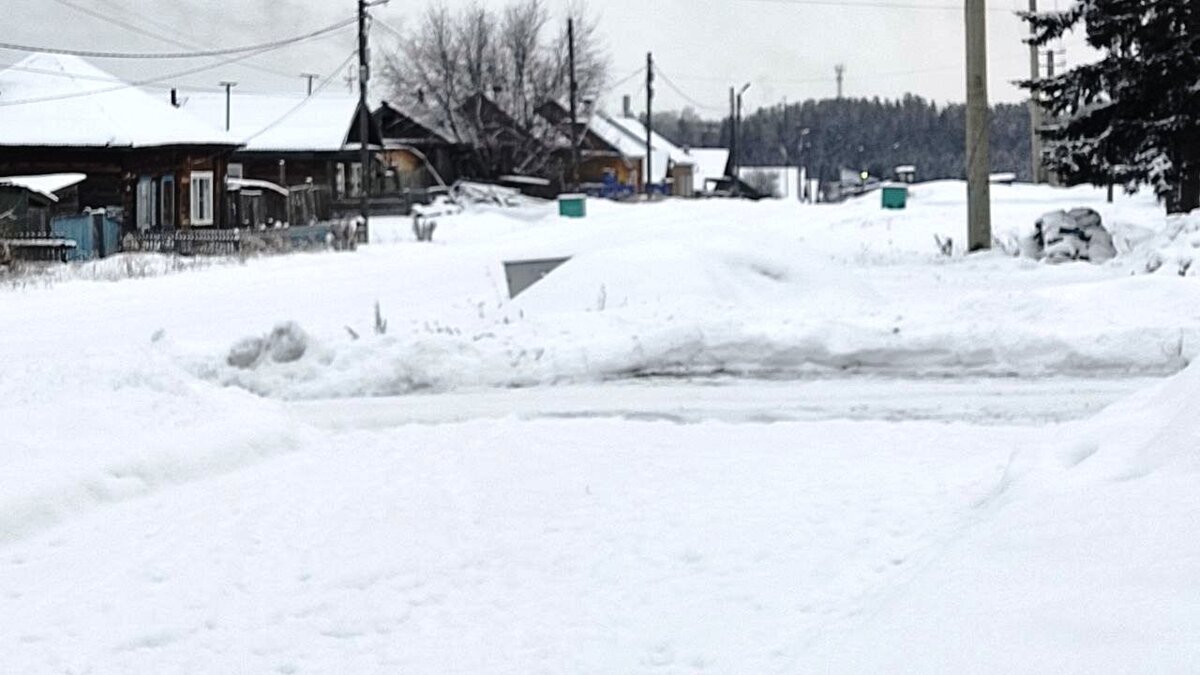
point(1062, 236)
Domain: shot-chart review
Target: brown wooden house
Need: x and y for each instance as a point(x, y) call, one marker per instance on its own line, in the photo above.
point(150, 164)
point(599, 155)
point(419, 143)
point(297, 141)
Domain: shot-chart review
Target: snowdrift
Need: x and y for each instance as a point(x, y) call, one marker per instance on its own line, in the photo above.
point(663, 308)
point(125, 430)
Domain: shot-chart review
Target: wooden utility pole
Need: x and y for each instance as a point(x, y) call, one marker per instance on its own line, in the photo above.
point(732, 138)
point(840, 71)
point(364, 124)
point(979, 210)
point(649, 120)
point(574, 106)
point(737, 124)
point(228, 103)
point(1035, 109)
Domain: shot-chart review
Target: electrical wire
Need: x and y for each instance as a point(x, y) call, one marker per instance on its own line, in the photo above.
point(140, 83)
point(608, 89)
point(267, 46)
point(117, 81)
point(151, 34)
point(675, 88)
point(868, 4)
point(320, 87)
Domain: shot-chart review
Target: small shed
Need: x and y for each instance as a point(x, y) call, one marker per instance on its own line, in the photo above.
point(23, 210)
point(906, 173)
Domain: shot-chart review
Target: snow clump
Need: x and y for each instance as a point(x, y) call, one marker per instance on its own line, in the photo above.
point(286, 343)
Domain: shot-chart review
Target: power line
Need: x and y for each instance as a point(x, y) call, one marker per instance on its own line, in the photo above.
point(609, 89)
point(141, 83)
point(268, 46)
point(112, 80)
point(151, 34)
point(324, 83)
point(869, 4)
point(675, 88)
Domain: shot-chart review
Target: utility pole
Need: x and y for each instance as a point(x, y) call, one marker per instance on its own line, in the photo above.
point(574, 106)
point(310, 77)
point(732, 139)
point(364, 78)
point(840, 71)
point(228, 96)
point(979, 208)
point(1035, 108)
point(737, 123)
point(649, 118)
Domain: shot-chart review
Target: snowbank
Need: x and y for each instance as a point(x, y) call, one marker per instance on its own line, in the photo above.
point(78, 436)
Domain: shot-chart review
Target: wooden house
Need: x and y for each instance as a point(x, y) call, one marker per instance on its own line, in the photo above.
point(294, 142)
point(421, 147)
point(604, 152)
point(153, 166)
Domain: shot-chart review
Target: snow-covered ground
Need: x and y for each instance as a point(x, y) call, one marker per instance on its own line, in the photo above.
point(725, 437)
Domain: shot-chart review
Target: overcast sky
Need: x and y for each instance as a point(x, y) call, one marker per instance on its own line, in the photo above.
point(784, 48)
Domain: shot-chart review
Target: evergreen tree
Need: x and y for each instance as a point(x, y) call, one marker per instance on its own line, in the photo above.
point(1132, 117)
point(861, 134)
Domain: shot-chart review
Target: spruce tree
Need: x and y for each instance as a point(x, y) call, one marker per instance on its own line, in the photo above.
point(1133, 117)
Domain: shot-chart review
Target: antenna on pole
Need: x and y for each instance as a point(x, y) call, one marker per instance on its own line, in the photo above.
point(228, 95)
point(310, 77)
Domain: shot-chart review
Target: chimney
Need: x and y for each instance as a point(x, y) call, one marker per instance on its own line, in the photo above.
point(174, 97)
point(627, 105)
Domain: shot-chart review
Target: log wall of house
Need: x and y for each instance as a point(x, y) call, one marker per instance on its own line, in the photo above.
point(113, 173)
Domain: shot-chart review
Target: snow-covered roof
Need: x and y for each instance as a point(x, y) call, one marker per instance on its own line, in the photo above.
point(64, 101)
point(629, 136)
point(254, 184)
point(45, 185)
point(279, 122)
point(708, 163)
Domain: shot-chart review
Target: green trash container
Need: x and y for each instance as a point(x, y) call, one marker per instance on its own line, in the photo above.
point(895, 196)
point(572, 206)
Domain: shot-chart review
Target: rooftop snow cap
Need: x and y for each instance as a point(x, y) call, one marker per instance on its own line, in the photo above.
point(64, 101)
point(281, 122)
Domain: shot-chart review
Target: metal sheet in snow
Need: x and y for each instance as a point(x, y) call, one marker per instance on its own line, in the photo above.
point(521, 274)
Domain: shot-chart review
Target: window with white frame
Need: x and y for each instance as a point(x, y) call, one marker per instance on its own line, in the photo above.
point(202, 197)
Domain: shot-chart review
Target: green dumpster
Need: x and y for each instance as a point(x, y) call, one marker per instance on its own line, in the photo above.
point(572, 206)
point(895, 196)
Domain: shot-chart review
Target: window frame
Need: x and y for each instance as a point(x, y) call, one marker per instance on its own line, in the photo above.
point(194, 200)
point(144, 203)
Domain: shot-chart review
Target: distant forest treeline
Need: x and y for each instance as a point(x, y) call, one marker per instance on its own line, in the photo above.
point(872, 134)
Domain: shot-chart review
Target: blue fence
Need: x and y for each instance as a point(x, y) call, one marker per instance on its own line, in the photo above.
point(95, 236)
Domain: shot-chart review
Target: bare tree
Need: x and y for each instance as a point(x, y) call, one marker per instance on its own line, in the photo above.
point(483, 73)
point(478, 39)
